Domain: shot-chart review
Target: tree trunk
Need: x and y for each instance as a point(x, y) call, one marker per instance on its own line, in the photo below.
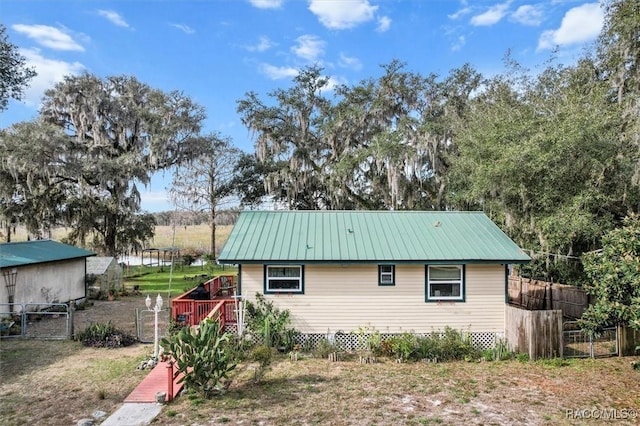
point(110, 231)
point(212, 221)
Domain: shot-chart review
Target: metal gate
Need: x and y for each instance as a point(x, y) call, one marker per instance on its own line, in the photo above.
point(145, 328)
point(580, 344)
point(46, 321)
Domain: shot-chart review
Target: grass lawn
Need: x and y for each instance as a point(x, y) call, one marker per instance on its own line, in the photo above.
point(164, 281)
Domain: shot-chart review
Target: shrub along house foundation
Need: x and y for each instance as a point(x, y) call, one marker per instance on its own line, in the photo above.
point(390, 271)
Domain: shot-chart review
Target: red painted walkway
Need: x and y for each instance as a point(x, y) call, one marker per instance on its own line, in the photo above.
point(156, 381)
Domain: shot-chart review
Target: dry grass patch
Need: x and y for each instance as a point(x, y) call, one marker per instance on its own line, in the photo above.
point(194, 237)
point(314, 391)
point(61, 382)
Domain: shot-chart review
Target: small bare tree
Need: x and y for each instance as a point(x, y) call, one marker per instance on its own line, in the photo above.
point(204, 183)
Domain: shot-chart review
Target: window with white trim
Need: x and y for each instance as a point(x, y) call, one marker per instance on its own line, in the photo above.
point(283, 279)
point(386, 274)
point(445, 282)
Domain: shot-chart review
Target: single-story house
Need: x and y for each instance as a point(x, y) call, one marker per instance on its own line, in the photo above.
point(392, 271)
point(41, 272)
point(103, 274)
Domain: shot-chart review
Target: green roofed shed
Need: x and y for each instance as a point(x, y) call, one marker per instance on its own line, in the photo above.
point(368, 237)
point(38, 251)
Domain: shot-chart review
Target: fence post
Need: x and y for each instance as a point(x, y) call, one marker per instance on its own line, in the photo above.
point(70, 310)
point(520, 281)
point(169, 380)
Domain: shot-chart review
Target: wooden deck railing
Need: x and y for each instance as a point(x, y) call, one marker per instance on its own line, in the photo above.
point(189, 311)
point(220, 307)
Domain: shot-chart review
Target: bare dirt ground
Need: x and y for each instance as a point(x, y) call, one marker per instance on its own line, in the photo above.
point(60, 382)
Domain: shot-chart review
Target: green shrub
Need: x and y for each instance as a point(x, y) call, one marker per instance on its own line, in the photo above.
point(403, 346)
point(457, 345)
point(100, 335)
point(187, 260)
point(203, 355)
point(501, 351)
point(269, 323)
point(446, 346)
point(370, 340)
point(324, 348)
point(263, 355)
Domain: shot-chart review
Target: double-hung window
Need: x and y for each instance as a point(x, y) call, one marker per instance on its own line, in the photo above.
point(283, 279)
point(386, 275)
point(445, 282)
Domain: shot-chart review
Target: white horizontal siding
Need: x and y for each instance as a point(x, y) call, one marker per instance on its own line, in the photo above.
point(344, 298)
point(51, 282)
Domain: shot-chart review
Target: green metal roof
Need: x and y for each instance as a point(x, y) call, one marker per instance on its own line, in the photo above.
point(39, 251)
point(368, 237)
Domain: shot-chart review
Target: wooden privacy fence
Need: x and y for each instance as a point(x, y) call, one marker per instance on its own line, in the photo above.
point(538, 333)
point(540, 295)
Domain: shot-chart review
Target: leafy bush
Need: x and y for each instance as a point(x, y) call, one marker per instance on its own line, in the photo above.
point(269, 323)
point(203, 355)
point(263, 355)
point(446, 346)
point(403, 347)
point(324, 348)
point(370, 340)
point(101, 335)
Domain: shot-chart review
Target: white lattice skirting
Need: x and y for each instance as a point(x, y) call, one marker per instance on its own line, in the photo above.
point(356, 341)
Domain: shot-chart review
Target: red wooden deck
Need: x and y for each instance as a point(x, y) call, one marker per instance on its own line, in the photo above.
point(156, 381)
point(218, 306)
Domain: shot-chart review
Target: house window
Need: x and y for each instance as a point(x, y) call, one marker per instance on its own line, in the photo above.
point(283, 279)
point(445, 282)
point(386, 274)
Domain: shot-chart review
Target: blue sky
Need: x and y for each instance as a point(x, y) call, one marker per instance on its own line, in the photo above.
point(217, 50)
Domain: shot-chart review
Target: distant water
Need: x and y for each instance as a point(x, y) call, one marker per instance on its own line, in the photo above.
point(137, 260)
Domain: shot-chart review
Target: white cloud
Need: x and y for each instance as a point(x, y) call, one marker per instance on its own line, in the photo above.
point(383, 24)
point(459, 13)
point(47, 36)
point(491, 16)
point(113, 17)
point(50, 72)
point(278, 73)
point(334, 82)
point(309, 47)
point(340, 15)
point(266, 4)
point(264, 44)
point(579, 25)
point(184, 28)
point(528, 15)
point(350, 62)
point(459, 43)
